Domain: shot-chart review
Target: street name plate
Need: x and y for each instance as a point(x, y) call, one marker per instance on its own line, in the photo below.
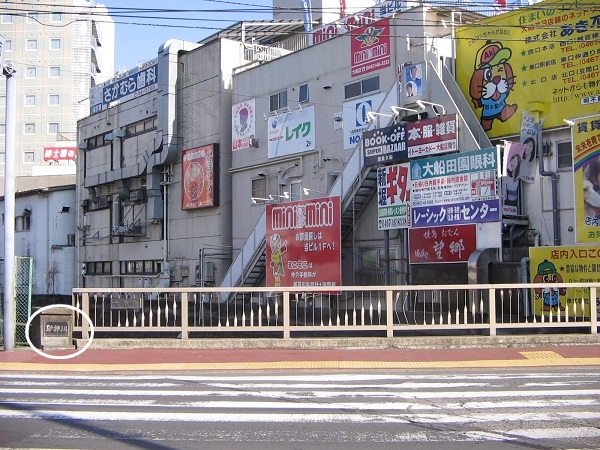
point(56, 329)
point(125, 303)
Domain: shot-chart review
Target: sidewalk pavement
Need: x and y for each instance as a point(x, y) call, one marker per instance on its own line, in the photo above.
point(203, 355)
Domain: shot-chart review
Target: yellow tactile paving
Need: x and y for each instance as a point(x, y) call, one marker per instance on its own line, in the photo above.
point(541, 355)
point(530, 360)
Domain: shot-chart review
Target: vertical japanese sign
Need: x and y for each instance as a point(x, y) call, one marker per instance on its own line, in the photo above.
point(546, 53)
point(393, 197)
point(442, 244)
point(243, 124)
point(304, 243)
point(291, 132)
point(370, 48)
point(198, 177)
point(132, 84)
point(455, 189)
point(586, 177)
point(567, 264)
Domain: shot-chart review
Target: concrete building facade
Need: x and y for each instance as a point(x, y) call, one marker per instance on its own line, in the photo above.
point(142, 224)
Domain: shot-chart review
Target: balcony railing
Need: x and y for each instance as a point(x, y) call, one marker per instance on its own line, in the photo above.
point(387, 310)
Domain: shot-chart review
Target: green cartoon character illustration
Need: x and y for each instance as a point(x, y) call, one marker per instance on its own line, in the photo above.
point(278, 248)
point(551, 295)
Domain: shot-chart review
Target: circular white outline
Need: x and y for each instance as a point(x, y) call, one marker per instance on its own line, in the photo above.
point(74, 308)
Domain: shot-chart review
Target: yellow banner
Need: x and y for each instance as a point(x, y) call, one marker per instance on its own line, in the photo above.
point(543, 59)
point(567, 264)
point(586, 178)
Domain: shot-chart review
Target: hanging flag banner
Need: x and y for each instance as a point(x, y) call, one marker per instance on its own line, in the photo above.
point(529, 136)
point(442, 244)
point(586, 178)
point(393, 197)
point(455, 189)
point(304, 243)
point(510, 178)
point(565, 264)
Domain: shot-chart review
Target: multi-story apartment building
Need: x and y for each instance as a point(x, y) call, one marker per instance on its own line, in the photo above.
point(60, 49)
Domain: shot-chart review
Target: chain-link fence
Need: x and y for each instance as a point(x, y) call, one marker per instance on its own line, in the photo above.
point(23, 282)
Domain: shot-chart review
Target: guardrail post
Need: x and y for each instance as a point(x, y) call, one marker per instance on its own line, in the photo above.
point(594, 310)
point(184, 315)
point(286, 314)
point(492, 311)
point(389, 313)
point(85, 307)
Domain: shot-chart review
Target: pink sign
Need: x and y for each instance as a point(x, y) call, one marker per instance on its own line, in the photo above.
point(370, 48)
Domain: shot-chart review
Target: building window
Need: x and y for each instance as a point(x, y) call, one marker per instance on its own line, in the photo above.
point(29, 128)
point(54, 72)
point(53, 127)
point(361, 87)
point(31, 72)
point(148, 267)
point(55, 44)
point(259, 187)
point(99, 268)
point(23, 223)
point(28, 157)
point(564, 155)
point(2, 129)
point(53, 99)
point(30, 100)
point(6, 18)
point(8, 45)
point(278, 101)
point(56, 17)
point(32, 17)
point(303, 93)
point(141, 127)
point(31, 44)
point(97, 141)
point(2, 101)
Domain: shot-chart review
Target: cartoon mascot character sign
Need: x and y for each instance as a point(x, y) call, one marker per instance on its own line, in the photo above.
point(491, 83)
point(551, 295)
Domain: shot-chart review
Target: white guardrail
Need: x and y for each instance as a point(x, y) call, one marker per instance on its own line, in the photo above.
point(291, 312)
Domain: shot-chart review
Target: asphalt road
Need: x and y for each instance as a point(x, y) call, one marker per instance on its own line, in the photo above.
point(455, 409)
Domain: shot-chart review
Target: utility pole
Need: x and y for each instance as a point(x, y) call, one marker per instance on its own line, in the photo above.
point(10, 71)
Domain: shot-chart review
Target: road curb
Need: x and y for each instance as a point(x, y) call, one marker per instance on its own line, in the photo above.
point(425, 343)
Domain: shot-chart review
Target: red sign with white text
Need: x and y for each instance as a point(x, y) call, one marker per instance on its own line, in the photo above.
point(304, 243)
point(446, 244)
point(370, 48)
point(60, 153)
